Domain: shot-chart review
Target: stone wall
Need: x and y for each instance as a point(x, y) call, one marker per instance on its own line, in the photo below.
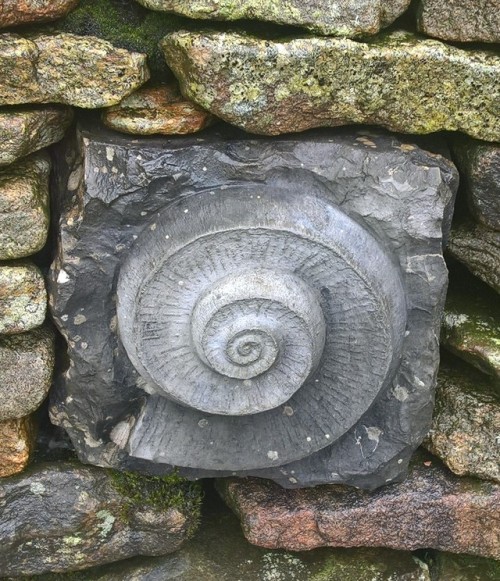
point(429, 70)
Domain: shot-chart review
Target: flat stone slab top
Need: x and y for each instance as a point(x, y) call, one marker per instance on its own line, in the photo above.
point(16, 446)
point(24, 206)
point(263, 306)
point(64, 516)
point(433, 508)
point(350, 18)
point(23, 299)
point(26, 366)
point(399, 81)
point(15, 12)
point(159, 110)
point(64, 68)
point(460, 20)
point(466, 422)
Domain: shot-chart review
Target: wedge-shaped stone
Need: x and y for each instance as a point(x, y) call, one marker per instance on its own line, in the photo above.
point(433, 508)
point(28, 129)
point(349, 18)
point(23, 299)
point(16, 447)
point(460, 20)
point(24, 206)
point(397, 81)
point(466, 422)
point(478, 249)
point(26, 364)
point(64, 68)
point(14, 12)
point(65, 516)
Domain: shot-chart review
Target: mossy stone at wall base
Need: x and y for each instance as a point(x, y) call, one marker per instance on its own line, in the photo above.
point(157, 110)
point(397, 80)
point(23, 298)
point(466, 422)
point(460, 20)
point(350, 18)
point(450, 567)
point(64, 68)
point(24, 207)
point(79, 517)
point(26, 364)
point(16, 447)
point(15, 13)
point(28, 129)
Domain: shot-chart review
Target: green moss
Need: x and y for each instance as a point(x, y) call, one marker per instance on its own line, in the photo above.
point(126, 25)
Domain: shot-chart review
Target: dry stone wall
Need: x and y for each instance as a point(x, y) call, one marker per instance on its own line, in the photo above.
point(177, 67)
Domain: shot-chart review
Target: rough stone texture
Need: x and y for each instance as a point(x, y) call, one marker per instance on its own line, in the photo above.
point(28, 129)
point(219, 552)
point(398, 81)
point(64, 68)
point(157, 110)
point(23, 299)
point(460, 20)
point(26, 364)
point(450, 567)
point(131, 201)
point(479, 165)
point(16, 12)
point(432, 509)
point(16, 445)
point(24, 206)
point(65, 516)
point(471, 324)
point(466, 422)
point(478, 249)
point(351, 18)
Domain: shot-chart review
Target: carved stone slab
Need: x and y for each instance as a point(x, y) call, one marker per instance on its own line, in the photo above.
point(263, 306)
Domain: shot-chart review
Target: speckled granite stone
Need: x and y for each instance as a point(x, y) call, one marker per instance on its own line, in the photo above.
point(16, 12)
point(16, 446)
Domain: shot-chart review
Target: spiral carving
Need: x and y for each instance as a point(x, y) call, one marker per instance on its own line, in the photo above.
point(263, 325)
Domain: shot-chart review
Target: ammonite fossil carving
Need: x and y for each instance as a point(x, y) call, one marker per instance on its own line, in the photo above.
point(265, 307)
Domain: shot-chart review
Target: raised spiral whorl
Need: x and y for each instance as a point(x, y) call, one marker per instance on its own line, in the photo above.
point(263, 324)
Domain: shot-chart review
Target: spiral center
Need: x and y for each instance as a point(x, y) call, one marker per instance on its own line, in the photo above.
point(251, 347)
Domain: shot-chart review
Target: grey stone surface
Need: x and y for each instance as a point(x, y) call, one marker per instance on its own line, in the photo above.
point(432, 508)
point(28, 129)
point(460, 20)
point(24, 206)
point(466, 422)
point(26, 366)
point(65, 68)
point(23, 299)
point(350, 18)
point(400, 81)
point(64, 516)
point(479, 166)
point(478, 248)
point(268, 216)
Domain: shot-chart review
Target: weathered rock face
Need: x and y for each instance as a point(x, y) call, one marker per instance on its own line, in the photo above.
point(471, 325)
point(431, 509)
point(16, 446)
point(478, 249)
point(460, 20)
point(397, 81)
point(80, 516)
point(466, 422)
point(23, 300)
point(64, 68)
point(351, 18)
point(24, 206)
point(450, 567)
point(26, 363)
point(28, 129)
point(241, 230)
point(157, 110)
point(479, 164)
point(15, 12)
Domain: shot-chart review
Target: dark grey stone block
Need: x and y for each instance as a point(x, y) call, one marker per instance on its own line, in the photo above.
point(250, 305)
